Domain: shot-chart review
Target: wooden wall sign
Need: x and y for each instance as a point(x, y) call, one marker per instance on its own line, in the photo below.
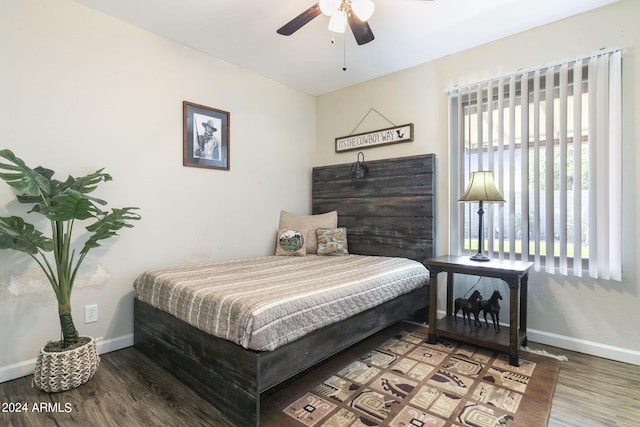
point(394, 135)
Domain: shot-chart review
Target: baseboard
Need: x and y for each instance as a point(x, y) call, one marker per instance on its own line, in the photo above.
point(113, 344)
point(22, 369)
point(585, 346)
point(592, 348)
point(17, 370)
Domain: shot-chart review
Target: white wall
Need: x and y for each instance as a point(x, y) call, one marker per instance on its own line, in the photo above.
point(592, 316)
point(79, 91)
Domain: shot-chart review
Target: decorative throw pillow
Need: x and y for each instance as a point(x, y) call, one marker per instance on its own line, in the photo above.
point(332, 241)
point(309, 222)
point(291, 242)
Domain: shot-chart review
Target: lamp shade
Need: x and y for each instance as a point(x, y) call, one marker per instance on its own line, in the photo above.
point(363, 9)
point(481, 188)
point(338, 22)
point(329, 7)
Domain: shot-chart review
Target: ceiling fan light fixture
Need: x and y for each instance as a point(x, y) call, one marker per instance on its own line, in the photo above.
point(338, 22)
point(363, 9)
point(329, 7)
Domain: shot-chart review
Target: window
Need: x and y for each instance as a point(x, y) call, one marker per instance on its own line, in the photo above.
point(552, 138)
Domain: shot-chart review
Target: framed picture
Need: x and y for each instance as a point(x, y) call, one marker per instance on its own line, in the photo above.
point(205, 137)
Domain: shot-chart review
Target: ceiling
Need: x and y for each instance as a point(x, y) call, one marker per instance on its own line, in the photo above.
point(407, 33)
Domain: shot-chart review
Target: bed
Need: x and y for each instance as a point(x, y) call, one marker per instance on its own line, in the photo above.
point(389, 217)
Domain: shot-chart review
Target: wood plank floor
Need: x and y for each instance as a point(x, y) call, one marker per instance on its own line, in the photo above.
point(130, 390)
point(592, 391)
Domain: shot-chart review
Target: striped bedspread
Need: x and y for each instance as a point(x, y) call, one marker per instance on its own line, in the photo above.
point(263, 303)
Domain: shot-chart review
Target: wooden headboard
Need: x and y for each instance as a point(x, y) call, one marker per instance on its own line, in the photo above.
point(391, 212)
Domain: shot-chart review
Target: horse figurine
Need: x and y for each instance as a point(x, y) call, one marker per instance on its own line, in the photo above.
point(468, 306)
point(492, 307)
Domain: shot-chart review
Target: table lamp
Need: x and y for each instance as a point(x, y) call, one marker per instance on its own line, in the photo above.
point(481, 189)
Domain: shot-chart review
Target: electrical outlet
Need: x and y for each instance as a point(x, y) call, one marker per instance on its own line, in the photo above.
point(91, 313)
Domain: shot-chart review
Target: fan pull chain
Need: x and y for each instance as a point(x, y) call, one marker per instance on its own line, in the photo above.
point(344, 50)
point(344, 54)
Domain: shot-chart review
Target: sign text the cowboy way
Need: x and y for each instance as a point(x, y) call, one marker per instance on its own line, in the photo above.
point(394, 135)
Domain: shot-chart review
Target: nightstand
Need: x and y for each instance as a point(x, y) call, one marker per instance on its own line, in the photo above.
point(514, 273)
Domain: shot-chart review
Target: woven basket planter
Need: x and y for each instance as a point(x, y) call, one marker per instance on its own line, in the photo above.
point(64, 370)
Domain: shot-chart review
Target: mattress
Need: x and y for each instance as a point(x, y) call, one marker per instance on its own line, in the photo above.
point(263, 303)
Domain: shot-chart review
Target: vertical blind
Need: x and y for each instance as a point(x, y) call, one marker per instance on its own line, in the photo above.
point(552, 137)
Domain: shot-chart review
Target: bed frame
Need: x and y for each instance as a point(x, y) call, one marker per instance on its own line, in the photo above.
point(388, 213)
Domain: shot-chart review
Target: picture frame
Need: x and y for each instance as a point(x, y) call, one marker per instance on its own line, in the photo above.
point(205, 137)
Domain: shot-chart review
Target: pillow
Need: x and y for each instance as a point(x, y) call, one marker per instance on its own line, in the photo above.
point(332, 241)
point(291, 242)
point(311, 223)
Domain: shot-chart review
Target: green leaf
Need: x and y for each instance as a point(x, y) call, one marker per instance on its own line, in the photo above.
point(67, 207)
point(108, 225)
point(88, 183)
point(30, 182)
point(21, 236)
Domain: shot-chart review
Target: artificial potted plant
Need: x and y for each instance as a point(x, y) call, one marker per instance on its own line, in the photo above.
point(72, 361)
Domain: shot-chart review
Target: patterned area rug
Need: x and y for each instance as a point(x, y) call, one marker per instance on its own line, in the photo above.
point(400, 380)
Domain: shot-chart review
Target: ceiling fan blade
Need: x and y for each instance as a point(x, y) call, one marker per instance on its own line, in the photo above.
point(299, 21)
point(360, 29)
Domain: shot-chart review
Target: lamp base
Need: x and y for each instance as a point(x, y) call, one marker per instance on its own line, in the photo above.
point(480, 257)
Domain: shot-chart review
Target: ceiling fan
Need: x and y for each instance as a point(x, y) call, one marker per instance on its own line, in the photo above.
point(356, 13)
